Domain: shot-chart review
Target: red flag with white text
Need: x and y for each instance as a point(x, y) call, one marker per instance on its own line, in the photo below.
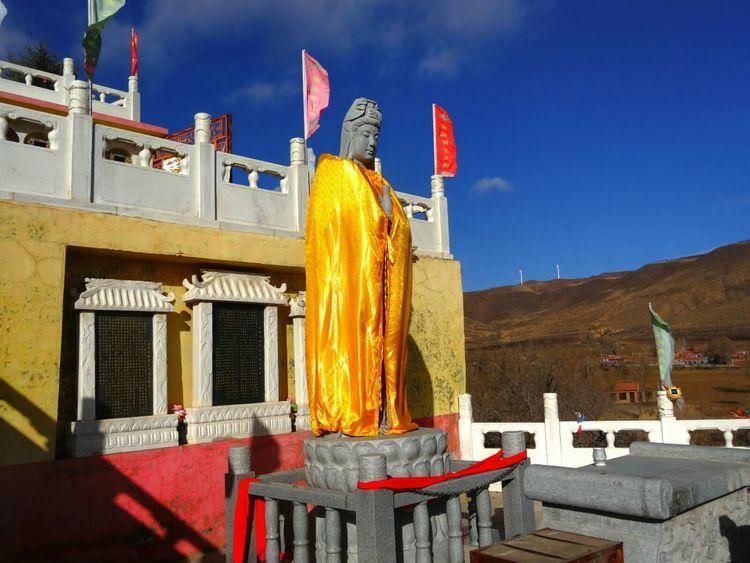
point(133, 52)
point(316, 92)
point(446, 157)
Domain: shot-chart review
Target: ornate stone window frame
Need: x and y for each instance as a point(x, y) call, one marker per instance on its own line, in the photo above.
point(92, 436)
point(207, 422)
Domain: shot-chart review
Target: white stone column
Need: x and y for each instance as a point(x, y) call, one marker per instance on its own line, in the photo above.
point(159, 395)
point(440, 214)
point(80, 144)
point(299, 181)
point(297, 314)
point(465, 422)
point(86, 366)
point(671, 431)
point(68, 76)
point(203, 347)
point(203, 168)
point(552, 429)
point(271, 352)
point(133, 100)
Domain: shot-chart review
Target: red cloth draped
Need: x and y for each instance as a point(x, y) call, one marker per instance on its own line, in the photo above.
point(492, 463)
point(247, 509)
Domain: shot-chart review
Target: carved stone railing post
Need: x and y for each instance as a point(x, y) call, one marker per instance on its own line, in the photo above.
point(68, 76)
point(239, 469)
point(671, 431)
point(376, 528)
point(552, 429)
point(297, 314)
point(133, 100)
point(80, 142)
point(202, 168)
point(465, 422)
point(299, 182)
point(144, 156)
point(440, 214)
point(518, 510)
point(273, 545)
point(300, 528)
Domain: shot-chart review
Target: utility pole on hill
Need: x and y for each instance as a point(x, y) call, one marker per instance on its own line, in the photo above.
point(520, 273)
point(558, 271)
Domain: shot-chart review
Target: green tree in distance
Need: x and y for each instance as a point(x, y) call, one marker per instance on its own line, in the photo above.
point(39, 57)
point(719, 350)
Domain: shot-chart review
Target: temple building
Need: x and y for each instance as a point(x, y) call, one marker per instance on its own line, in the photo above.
point(153, 316)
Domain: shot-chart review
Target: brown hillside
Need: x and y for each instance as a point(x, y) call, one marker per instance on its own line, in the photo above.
point(700, 296)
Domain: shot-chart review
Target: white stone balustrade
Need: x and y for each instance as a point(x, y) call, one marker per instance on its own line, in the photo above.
point(108, 101)
point(554, 438)
point(102, 168)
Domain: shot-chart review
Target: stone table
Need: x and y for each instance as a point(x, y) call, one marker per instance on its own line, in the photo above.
point(664, 502)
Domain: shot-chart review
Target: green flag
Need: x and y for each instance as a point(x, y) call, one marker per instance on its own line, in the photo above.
point(664, 346)
point(100, 11)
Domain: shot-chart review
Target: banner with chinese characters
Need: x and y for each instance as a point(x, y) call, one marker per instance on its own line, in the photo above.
point(446, 158)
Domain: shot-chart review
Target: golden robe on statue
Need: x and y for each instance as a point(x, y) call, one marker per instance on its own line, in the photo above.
point(359, 279)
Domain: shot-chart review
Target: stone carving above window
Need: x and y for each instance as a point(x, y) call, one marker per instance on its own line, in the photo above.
point(239, 287)
point(124, 295)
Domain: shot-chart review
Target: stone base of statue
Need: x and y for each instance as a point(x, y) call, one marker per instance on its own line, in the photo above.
point(332, 463)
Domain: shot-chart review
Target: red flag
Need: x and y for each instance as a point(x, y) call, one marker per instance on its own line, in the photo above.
point(446, 159)
point(316, 91)
point(133, 52)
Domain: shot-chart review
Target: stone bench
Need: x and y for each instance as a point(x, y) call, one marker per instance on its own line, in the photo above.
point(664, 502)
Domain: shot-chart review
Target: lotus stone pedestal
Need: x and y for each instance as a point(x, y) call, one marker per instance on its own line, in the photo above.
point(332, 463)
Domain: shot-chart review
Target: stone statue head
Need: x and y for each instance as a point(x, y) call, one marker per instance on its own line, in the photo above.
point(360, 131)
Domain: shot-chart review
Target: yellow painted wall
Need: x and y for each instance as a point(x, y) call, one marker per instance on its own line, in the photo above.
point(36, 241)
point(436, 369)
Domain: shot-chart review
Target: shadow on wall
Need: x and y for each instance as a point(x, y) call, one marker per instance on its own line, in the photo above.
point(738, 538)
point(87, 509)
point(418, 383)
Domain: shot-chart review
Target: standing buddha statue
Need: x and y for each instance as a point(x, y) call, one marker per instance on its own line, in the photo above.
point(358, 267)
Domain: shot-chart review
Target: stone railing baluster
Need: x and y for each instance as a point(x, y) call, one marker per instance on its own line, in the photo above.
point(144, 156)
point(239, 468)
point(273, 547)
point(422, 533)
point(728, 438)
point(610, 439)
point(28, 78)
point(484, 517)
point(299, 524)
point(333, 535)
point(518, 510)
point(3, 127)
point(455, 535)
point(472, 509)
point(252, 178)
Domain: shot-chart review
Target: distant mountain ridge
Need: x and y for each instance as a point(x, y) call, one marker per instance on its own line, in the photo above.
point(700, 296)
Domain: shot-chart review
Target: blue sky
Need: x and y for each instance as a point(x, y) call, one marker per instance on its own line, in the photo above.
point(597, 135)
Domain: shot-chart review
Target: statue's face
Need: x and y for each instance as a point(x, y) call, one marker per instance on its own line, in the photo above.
point(364, 144)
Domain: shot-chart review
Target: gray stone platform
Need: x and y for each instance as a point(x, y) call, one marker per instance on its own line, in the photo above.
point(666, 503)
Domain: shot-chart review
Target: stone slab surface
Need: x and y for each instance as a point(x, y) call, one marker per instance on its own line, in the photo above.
point(717, 531)
point(647, 484)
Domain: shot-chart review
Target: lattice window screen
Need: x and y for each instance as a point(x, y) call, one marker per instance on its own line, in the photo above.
point(124, 364)
point(238, 354)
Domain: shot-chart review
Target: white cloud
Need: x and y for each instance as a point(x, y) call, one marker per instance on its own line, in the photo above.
point(492, 184)
point(440, 63)
point(265, 91)
point(336, 28)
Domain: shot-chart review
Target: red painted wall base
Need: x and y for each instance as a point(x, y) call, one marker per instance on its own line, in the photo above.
point(157, 505)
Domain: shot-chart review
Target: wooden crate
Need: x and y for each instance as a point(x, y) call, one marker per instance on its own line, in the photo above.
point(550, 546)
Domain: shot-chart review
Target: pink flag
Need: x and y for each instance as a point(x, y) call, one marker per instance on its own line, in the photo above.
point(316, 91)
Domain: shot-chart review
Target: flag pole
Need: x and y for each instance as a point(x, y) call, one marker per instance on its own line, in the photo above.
point(304, 95)
point(434, 142)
